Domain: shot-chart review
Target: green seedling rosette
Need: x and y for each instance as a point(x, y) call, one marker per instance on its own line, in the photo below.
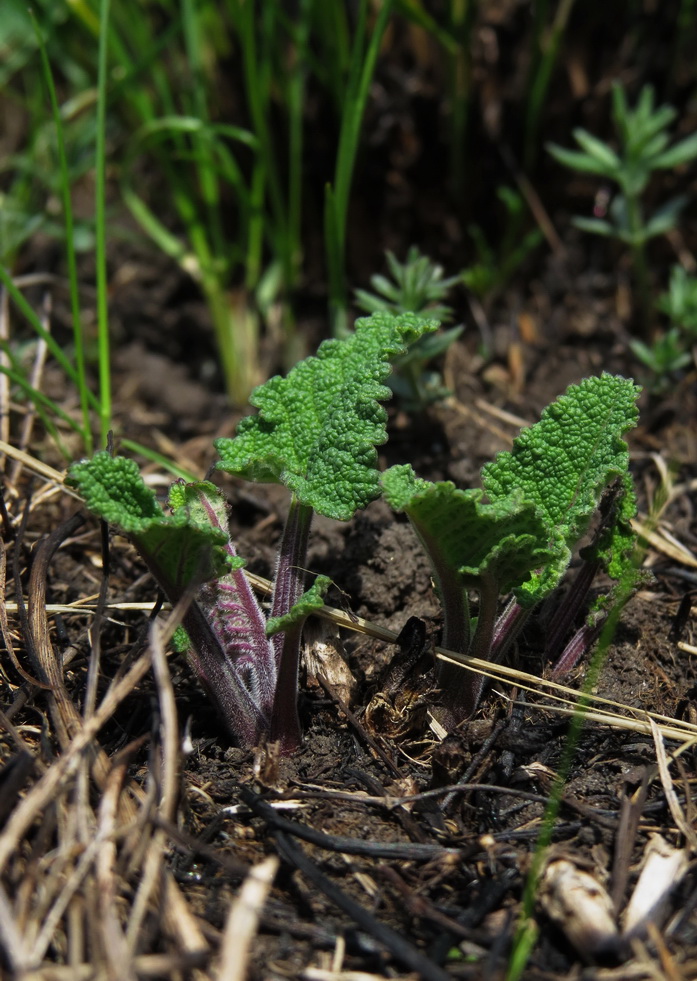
point(316, 431)
point(517, 534)
point(317, 428)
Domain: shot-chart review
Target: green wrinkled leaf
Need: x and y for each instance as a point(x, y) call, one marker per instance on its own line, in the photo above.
point(310, 601)
point(113, 489)
point(615, 547)
point(317, 428)
point(505, 540)
point(181, 642)
point(564, 463)
point(182, 548)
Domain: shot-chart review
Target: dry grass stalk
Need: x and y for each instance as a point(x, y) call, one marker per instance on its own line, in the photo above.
point(668, 789)
point(243, 920)
point(45, 911)
point(107, 884)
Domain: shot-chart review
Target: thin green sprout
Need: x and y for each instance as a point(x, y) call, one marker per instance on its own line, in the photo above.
point(100, 218)
point(337, 197)
point(35, 323)
point(543, 67)
point(159, 458)
point(69, 240)
point(527, 932)
point(39, 400)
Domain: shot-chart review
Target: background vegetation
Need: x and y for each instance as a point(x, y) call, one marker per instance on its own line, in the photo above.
point(221, 184)
point(273, 152)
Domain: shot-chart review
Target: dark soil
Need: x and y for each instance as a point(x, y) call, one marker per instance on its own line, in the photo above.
point(456, 906)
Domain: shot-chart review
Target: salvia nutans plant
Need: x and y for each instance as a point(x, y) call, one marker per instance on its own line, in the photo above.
point(566, 479)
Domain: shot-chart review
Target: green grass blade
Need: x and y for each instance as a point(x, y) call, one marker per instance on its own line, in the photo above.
point(525, 936)
point(296, 98)
point(361, 74)
point(161, 236)
point(255, 229)
point(331, 63)
point(363, 63)
point(414, 11)
point(335, 268)
point(194, 42)
point(35, 323)
point(100, 217)
point(69, 239)
point(539, 84)
point(160, 459)
point(258, 72)
point(46, 409)
point(135, 88)
point(462, 19)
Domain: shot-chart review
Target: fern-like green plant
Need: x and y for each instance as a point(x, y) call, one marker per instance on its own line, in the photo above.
point(418, 286)
point(644, 147)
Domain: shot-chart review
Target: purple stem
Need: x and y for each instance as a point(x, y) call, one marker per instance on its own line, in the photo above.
point(508, 626)
point(483, 636)
point(243, 718)
point(461, 699)
point(229, 650)
point(568, 609)
point(456, 637)
point(582, 641)
point(289, 585)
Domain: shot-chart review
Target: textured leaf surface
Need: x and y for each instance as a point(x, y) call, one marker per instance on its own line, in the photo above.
point(505, 540)
point(113, 489)
point(224, 630)
point(317, 428)
point(615, 545)
point(181, 548)
point(310, 601)
point(564, 463)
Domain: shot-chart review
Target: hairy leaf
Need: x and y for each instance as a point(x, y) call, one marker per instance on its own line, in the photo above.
point(564, 463)
point(181, 548)
point(317, 428)
point(505, 540)
point(310, 601)
point(223, 626)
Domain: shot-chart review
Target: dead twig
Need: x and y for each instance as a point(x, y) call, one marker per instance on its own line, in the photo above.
point(62, 770)
point(401, 949)
point(669, 790)
point(406, 852)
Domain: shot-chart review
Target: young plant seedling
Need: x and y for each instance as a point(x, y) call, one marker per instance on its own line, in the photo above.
point(663, 357)
point(415, 286)
point(644, 148)
point(315, 432)
point(669, 352)
point(517, 533)
point(679, 303)
point(495, 265)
